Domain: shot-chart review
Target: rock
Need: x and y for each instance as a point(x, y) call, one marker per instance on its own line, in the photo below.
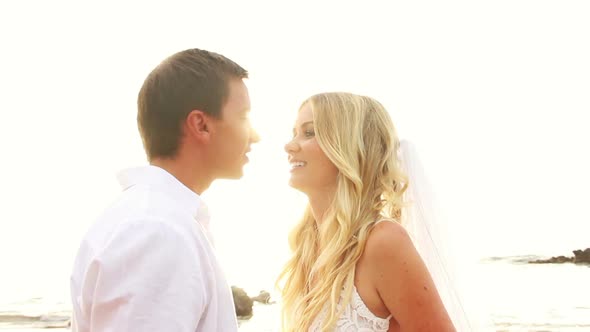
point(552, 260)
point(242, 302)
point(263, 297)
point(582, 256)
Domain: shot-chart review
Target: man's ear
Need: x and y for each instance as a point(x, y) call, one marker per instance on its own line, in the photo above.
point(198, 125)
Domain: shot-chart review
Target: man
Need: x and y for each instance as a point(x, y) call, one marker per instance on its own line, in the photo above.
point(147, 264)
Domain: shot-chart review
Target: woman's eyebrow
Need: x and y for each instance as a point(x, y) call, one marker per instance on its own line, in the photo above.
point(302, 125)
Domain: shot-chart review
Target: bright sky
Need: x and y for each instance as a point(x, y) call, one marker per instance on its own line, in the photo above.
point(495, 95)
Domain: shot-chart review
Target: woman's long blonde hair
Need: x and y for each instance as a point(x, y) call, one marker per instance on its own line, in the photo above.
point(358, 136)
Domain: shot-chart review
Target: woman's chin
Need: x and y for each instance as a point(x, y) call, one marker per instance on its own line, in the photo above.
point(293, 183)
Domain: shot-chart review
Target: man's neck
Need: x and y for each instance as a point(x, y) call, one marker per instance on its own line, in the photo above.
point(192, 176)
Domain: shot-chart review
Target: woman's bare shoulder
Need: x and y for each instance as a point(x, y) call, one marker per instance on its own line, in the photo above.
point(388, 240)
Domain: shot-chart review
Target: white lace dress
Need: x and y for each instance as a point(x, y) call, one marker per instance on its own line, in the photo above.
point(355, 318)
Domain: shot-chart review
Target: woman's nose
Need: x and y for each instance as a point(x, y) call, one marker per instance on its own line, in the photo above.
point(291, 146)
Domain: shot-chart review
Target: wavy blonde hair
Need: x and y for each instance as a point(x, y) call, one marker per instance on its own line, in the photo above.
point(358, 136)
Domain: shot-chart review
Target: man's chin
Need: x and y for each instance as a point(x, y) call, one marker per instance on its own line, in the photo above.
point(236, 175)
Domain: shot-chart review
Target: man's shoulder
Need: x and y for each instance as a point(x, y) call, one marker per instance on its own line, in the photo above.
point(145, 203)
point(137, 212)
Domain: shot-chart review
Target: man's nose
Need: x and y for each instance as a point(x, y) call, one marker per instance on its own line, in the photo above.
point(254, 137)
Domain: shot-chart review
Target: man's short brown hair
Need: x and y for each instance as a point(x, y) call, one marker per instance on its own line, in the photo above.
point(189, 80)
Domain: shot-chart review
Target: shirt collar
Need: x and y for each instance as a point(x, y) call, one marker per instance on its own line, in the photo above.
point(157, 177)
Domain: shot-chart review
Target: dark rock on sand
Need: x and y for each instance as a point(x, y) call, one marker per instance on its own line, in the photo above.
point(263, 297)
point(580, 257)
point(242, 302)
point(554, 260)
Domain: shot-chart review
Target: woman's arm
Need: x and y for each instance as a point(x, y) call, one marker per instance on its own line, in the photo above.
point(403, 281)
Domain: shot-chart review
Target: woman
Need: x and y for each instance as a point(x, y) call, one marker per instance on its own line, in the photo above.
point(354, 266)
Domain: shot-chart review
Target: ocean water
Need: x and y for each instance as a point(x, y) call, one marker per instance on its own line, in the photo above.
point(536, 297)
point(516, 295)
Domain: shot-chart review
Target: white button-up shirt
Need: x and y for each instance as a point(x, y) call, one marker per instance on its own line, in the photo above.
point(147, 263)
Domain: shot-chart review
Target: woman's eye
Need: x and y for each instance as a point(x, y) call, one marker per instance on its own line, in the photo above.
point(309, 133)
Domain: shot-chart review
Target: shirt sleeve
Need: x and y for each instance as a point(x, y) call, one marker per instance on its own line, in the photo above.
point(148, 278)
